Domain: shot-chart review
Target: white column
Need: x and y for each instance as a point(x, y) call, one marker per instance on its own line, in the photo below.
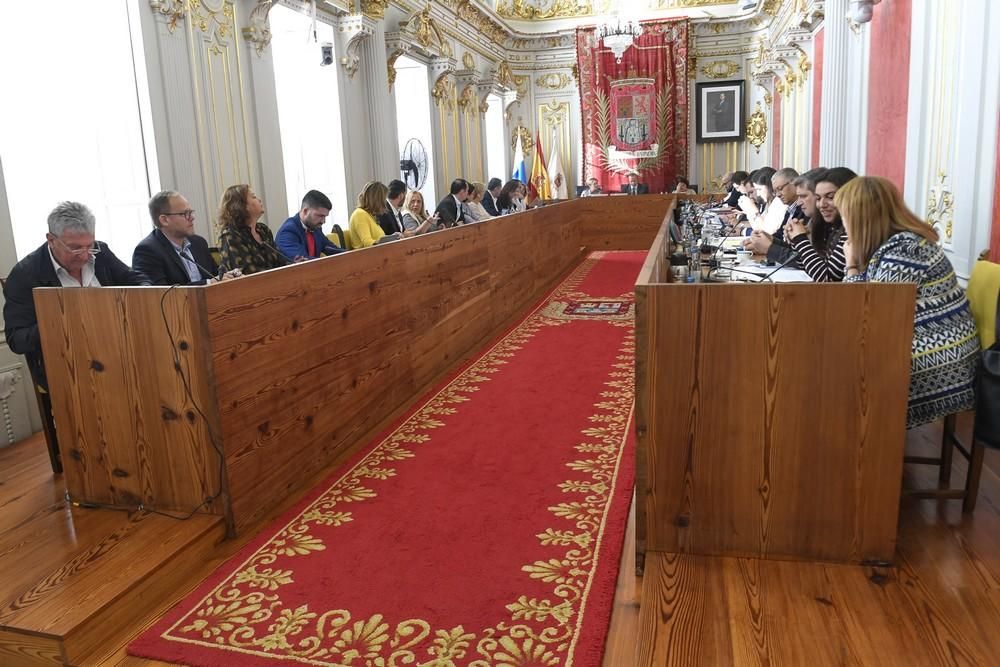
point(380, 107)
point(833, 114)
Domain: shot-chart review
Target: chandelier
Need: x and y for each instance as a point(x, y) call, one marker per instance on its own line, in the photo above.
point(618, 33)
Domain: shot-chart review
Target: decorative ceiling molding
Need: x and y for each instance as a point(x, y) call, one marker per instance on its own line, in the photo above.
point(553, 81)
point(374, 9)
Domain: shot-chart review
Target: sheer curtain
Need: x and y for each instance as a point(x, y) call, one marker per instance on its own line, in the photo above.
point(308, 113)
point(74, 123)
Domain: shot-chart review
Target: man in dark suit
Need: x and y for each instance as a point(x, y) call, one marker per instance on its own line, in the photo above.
point(173, 254)
point(70, 257)
point(733, 182)
point(490, 198)
point(391, 220)
point(301, 236)
point(634, 187)
point(449, 209)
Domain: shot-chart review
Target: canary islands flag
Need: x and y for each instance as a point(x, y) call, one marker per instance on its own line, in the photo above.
point(520, 171)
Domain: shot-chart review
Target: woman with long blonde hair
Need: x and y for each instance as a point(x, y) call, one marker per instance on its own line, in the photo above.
point(415, 218)
point(887, 243)
point(245, 243)
point(474, 205)
point(363, 228)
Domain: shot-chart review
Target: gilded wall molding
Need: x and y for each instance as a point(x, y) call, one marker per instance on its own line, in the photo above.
point(721, 69)
point(258, 30)
point(527, 143)
point(941, 208)
point(444, 92)
point(757, 128)
point(468, 61)
point(467, 101)
point(173, 11)
point(390, 66)
point(482, 22)
point(374, 9)
point(553, 81)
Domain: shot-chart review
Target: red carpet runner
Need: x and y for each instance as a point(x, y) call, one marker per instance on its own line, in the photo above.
point(485, 528)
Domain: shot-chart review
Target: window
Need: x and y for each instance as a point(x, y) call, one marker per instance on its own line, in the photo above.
point(413, 118)
point(496, 142)
point(308, 112)
point(75, 122)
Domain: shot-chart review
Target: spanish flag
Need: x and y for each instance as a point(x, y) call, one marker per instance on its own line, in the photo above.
point(539, 186)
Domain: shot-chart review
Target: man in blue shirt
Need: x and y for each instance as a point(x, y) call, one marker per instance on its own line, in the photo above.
point(301, 236)
point(173, 254)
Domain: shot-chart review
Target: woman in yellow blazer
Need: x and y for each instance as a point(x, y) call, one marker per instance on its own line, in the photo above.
point(363, 229)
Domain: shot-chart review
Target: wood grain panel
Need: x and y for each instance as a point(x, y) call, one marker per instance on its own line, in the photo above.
point(774, 417)
point(128, 432)
point(619, 222)
point(309, 358)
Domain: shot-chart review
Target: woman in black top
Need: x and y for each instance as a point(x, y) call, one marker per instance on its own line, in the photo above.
point(245, 243)
point(506, 200)
point(821, 247)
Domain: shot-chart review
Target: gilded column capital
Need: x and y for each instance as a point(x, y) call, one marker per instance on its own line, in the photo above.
point(258, 29)
point(374, 9)
point(352, 30)
point(173, 11)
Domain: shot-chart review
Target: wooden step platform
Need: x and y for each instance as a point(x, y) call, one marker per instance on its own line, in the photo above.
point(76, 581)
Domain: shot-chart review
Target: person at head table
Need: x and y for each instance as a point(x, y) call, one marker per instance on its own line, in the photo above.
point(363, 229)
point(70, 257)
point(593, 188)
point(683, 186)
point(245, 243)
point(634, 187)
point(172, 254)
point(415, 218)
point(301, 236)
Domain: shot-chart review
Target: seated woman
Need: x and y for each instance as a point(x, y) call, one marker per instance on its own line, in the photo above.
point(415, 218)
point(474, 204)
point(363, 229)
point(683, 186)
point(821, 247)
point(244, 242)
point(887, 243)
point(507, 200)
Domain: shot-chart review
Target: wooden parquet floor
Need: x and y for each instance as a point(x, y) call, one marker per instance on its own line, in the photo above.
point(939, 604)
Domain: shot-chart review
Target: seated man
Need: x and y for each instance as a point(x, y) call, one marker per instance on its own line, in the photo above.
point(634, 187)
point(490, 198)
point(301, 236)
point(449, 209)
point(69, 258)
point(173, 254)
point(391, 220)
point(593, 188)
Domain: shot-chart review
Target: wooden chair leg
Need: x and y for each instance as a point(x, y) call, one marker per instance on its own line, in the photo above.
point(972, 479)
point(947, 450)
point(49, 429)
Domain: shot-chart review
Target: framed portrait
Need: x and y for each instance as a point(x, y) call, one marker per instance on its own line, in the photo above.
point(720, 110)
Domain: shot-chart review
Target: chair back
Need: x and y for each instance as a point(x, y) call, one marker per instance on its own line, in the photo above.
point(983, 293)
point(338, 238)
point(216, 254)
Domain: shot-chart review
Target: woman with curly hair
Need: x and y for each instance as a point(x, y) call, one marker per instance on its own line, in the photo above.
point(245, 243)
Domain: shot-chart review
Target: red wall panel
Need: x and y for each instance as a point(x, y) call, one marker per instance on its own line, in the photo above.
point(888, 89)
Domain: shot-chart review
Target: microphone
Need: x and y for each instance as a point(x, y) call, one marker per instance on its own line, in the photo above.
point(278, 252)
point(208, 275)
point(780, 266)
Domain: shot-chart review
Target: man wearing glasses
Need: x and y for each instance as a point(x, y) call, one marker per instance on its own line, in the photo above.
point(173, 254)
point(70, 257)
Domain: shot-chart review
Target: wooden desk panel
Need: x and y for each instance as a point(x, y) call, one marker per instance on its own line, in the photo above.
point(774, 418)
point(128, 432)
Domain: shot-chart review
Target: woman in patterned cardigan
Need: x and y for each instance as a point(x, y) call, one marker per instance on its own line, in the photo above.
point(245, 243)
point(888, 243)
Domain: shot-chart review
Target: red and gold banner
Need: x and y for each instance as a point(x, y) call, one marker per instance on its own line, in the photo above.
point(635, 112)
